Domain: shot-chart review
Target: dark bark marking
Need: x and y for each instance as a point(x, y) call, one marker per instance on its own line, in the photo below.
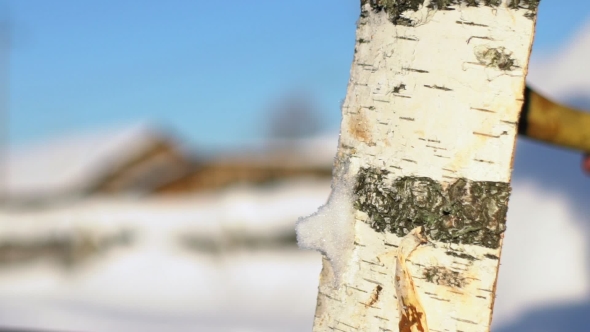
point(440, 299)
point(331, 298)
point(407, 38)
point(438, 87)
point(415, 70)
point(373, 282)
point(471, 24)
point(482, 110)
point(358, 289)
point(495, 57)
point(464, 212)
point(486, 135)
point(483, 161)
point(461, 255)
point(464, 320)
point(530, 5)
point(371, 263)
point(374, 296)
point(352, 327)
point(399, 88)
point(396, 9)
point(442, 276)
point(523, 120)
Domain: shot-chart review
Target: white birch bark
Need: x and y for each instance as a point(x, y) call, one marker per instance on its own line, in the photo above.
point(432, 94)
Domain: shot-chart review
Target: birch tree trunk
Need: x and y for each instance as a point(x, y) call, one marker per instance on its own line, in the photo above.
point(426, 146)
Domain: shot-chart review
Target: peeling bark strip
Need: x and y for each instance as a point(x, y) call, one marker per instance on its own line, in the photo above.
point(465, 212)
point(427, 140)
point(412, 315)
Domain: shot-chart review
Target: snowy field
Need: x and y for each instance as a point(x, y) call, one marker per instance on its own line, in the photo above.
point(223, 262)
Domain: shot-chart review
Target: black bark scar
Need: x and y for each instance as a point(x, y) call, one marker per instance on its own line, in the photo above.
point(464, 212)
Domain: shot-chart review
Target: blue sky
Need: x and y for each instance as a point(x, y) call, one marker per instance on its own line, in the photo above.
point(209, 71)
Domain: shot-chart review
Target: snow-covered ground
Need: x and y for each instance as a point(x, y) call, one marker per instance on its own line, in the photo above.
point(156, 281)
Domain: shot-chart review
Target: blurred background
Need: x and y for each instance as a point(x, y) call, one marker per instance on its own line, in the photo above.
point(155, 155)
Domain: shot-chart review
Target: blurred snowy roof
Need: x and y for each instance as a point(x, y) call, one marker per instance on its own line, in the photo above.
point(72, 163)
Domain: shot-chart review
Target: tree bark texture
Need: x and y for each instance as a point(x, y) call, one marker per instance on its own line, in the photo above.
point(427, 135)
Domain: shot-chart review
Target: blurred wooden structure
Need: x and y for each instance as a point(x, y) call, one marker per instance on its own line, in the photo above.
point(144, 160)
point(154, 167)
point(253, 167)
point(130, 161)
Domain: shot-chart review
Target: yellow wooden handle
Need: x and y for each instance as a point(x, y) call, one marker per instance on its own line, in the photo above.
point(550, 122)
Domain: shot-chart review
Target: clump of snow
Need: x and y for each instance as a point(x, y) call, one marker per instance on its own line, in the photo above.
point(331, 229)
